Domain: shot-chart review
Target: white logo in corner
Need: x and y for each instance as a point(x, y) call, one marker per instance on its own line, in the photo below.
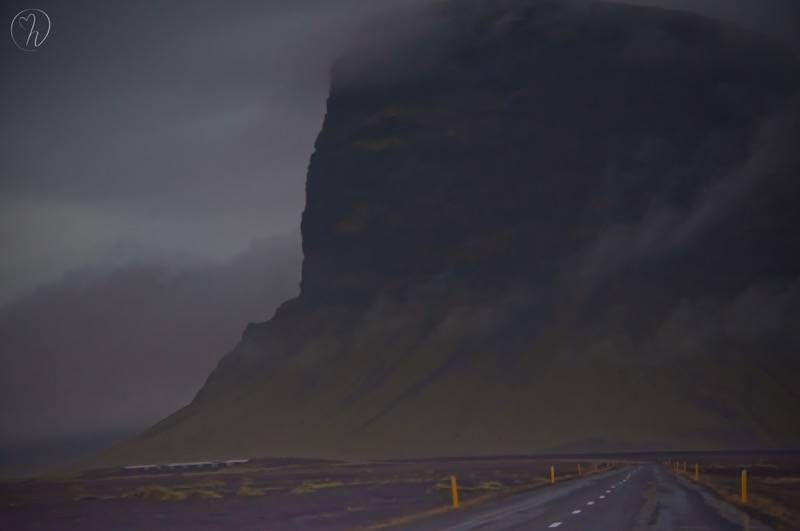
point(29, 29)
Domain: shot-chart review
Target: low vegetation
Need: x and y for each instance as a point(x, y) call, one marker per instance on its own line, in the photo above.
point(773, 490)
point(179, 493)
point(310, 486)
point(246, 488)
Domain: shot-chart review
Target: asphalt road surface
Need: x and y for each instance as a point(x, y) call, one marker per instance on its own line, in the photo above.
point(643, 498)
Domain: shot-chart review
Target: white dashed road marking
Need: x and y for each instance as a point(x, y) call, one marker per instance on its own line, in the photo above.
point(555, 524)
point(590, 503)
point(576, 511)
point(601, 497)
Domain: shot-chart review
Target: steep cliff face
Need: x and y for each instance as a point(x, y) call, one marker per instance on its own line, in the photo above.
point(549, 225)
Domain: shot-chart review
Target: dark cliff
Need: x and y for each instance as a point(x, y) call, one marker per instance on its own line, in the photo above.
point(548, 225)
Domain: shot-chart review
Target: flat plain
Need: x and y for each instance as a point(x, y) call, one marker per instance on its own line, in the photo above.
point(279, 494)
point(294, 494)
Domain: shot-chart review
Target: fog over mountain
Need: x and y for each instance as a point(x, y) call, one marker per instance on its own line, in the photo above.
point(544, 227)
point(151, 185)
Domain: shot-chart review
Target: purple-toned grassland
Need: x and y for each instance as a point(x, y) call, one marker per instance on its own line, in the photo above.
point(266, 494)
point(773, 485)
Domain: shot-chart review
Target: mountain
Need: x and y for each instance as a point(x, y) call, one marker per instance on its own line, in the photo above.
point(537, 225)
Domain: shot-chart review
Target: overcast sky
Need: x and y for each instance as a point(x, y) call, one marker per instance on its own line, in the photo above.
point(178, 132)
point(173, 132)
point(163, 145)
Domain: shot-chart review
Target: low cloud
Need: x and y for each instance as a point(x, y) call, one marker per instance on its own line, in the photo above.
point(113, 351)
point(769, 168)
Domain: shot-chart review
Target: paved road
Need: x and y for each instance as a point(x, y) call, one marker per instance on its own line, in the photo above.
point(643, 498)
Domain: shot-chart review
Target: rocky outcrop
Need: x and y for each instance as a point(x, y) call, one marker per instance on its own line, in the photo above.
point(547, 225)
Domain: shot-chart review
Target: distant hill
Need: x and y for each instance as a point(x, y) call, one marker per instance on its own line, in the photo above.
point(541, 226)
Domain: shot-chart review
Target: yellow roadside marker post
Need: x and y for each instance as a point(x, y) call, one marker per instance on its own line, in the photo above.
point(552, 475)
point(697, 472)
point(744, 486)
point(454, 491)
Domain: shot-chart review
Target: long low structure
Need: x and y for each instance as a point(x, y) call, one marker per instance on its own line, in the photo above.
point(191, 465)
